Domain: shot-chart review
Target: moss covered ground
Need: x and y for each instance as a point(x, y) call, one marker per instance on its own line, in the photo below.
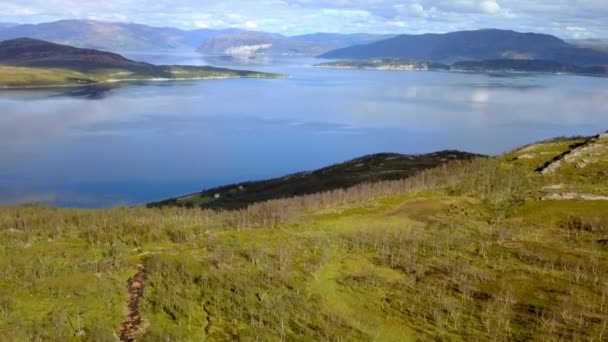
point(470, 251)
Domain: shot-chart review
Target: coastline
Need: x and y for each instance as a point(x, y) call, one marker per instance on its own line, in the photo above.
point(114, 81)
point(461, 71)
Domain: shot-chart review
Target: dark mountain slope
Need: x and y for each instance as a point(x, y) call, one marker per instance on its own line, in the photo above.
point(38, 53)
point(132, 37)
point(4, 26)
point(474, 45)
point(373, 168)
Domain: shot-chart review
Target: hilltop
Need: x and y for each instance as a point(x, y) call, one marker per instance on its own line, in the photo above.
point(474, 45)
point(513, 247)
point(29, 62)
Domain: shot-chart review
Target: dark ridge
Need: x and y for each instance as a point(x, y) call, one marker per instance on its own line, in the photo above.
point(474, 45)
point(373, 168)
point(29, 52)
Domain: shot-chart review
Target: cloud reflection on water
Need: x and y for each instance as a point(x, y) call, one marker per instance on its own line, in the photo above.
point(193, 134)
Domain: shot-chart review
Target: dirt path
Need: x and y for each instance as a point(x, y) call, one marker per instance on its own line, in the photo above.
point(131, 327)
point(207, 319)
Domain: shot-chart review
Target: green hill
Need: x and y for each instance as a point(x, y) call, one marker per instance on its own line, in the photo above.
point(29, 62)
point(508, 248)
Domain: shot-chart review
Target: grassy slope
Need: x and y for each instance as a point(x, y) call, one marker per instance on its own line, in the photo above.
point(11, 76)
point(462, 252)
point(372, 168)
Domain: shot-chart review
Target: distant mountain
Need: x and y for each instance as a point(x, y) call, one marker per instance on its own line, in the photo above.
point(474, 45)
point(7, 25)
point(337, 40)
point(239, 42)
point(131, 37)
point(109, 36)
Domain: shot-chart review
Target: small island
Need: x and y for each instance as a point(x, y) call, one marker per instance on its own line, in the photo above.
point(493, 65)
point(32, 63)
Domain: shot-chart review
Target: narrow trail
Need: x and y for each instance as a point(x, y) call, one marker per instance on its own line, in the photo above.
point(207, 319)
point(131, 326)
point(555, 163)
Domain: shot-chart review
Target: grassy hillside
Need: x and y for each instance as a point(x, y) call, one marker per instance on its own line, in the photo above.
point(11, 76)
point(372, 168)
point(34, 63)
point(495, 249)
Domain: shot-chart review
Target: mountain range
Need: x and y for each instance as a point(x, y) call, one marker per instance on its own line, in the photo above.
point(478, 45)
point(237, 42)
point(474, 45)
point(131, 37)
point(108, 36)
point(6, 25)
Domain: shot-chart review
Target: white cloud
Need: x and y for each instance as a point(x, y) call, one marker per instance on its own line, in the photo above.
point(250, 24)
point(305, 16)
point(577, 31)
point(490, 7)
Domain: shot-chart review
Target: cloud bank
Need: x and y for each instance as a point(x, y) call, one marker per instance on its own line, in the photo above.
point(565, 18)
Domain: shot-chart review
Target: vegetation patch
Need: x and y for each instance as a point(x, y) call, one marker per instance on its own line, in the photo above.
point(464, 251)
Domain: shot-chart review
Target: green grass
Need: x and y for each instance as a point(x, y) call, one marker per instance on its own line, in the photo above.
point(11, 76)
point(464, 252)
point(24, 77)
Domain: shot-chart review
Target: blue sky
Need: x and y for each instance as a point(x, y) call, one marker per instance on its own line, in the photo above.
point(565, 18)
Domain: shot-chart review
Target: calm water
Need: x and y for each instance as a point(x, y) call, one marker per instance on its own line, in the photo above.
point(138, 143)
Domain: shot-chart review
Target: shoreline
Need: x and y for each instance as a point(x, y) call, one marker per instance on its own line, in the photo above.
point(460, 71)
point(114, 81)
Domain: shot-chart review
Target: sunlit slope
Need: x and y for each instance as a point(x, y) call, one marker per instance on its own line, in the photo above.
point(483, 250)
point(35, 63)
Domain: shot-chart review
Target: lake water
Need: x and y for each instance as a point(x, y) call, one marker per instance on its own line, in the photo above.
point(139, 143)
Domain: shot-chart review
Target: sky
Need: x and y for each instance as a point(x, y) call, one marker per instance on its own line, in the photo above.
point(564, 18)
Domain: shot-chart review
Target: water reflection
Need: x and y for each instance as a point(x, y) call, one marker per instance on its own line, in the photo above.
point(92, 92)
point(132, 143)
